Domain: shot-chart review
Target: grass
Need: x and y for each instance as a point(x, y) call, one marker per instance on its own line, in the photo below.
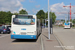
point(58, 26)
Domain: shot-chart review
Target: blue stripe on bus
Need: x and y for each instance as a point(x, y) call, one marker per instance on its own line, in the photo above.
point(67, 23)
point(23, 36)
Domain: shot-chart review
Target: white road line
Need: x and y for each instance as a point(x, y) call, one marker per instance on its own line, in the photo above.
point(59, 41)
point(4, 36)
point(42, 43)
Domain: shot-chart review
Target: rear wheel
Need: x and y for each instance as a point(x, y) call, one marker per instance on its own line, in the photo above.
point(37, 36)
point(8, 33)
point(1, 32)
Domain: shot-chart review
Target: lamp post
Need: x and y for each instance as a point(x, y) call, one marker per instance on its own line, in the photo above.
point(48, 21)
point(65, 19)
point(45, 20)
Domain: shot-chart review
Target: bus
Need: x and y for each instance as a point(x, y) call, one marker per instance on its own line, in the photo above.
point(25, 27)
point(67, 25)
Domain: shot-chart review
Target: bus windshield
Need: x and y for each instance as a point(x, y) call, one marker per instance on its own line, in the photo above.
point(24, 20)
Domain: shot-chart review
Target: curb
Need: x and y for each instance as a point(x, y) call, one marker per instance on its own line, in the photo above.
point(60, 43)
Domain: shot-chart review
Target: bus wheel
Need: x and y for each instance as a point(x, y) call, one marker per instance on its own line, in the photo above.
point(1, 32)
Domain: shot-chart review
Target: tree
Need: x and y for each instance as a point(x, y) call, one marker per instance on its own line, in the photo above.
point(8, 16)
point(52, 15)
point(73, 20)
point(23, 12)
point(40, 15)
point(5, 17)
point(16, 13)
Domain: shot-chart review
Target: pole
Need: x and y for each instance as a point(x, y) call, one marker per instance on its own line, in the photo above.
point(42, 23)
point(70, 11)
point(65, 19)
point(51, 23)
point(48, 21)
point(68, 16)
point(45, 20)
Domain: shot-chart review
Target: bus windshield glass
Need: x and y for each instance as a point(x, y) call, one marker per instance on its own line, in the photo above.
point(24, 20)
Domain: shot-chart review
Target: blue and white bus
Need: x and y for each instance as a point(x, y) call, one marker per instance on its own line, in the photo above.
point(25, 27)
point(67, 25)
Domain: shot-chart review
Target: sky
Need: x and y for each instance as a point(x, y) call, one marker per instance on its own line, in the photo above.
point(33, 6)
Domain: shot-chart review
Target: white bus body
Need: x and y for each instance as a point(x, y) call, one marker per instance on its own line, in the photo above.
point(25, 27)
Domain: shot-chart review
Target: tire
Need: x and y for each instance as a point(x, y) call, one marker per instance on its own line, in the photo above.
point(8, 32)
point(1, 32)
point(37, 36)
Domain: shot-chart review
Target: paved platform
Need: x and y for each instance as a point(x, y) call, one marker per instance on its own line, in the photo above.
point(51, 44)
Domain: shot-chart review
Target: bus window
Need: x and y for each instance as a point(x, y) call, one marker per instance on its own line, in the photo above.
point(23, 20)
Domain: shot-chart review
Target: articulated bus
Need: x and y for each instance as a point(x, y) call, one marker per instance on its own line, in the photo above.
point(25, 27)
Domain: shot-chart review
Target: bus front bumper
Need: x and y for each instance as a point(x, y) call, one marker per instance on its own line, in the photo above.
point(23, 37)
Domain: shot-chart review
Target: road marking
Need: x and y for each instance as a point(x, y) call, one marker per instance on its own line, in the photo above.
point(42, 43)
point(59, 41)
point(4, 36)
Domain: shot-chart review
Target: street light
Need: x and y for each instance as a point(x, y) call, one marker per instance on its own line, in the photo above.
point(45, 19)
point(48, 21)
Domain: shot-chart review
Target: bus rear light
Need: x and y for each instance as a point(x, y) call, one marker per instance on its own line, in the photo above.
point(13, 37)
point(13, 33)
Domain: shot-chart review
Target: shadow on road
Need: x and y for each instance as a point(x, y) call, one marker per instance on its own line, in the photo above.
point(24, 40)
point(45, 36)
point(67, 28)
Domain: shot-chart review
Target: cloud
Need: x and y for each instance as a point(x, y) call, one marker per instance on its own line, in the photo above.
point(22, 0)
point(24, 9)
point(37, 6)
point(10, 5)
point(13, 5)
point(21, 8)
point(58, 8)
point(34, 10)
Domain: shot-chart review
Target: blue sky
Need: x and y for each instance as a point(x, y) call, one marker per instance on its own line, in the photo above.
point(33, 6)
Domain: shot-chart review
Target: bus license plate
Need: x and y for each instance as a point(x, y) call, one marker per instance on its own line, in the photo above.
point(23, 33)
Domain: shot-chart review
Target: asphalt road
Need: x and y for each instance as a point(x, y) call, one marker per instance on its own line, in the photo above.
point(66, 36)
point(6, 43)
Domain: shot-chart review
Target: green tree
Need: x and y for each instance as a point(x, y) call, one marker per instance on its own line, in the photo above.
point(40, 15)
point(73, 20)
point(5, 17)
point(23, 12)
point(52, 16)
point(8, 16)
point(16, 13)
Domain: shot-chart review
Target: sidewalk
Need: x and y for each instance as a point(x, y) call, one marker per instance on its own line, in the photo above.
point(51, 44)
